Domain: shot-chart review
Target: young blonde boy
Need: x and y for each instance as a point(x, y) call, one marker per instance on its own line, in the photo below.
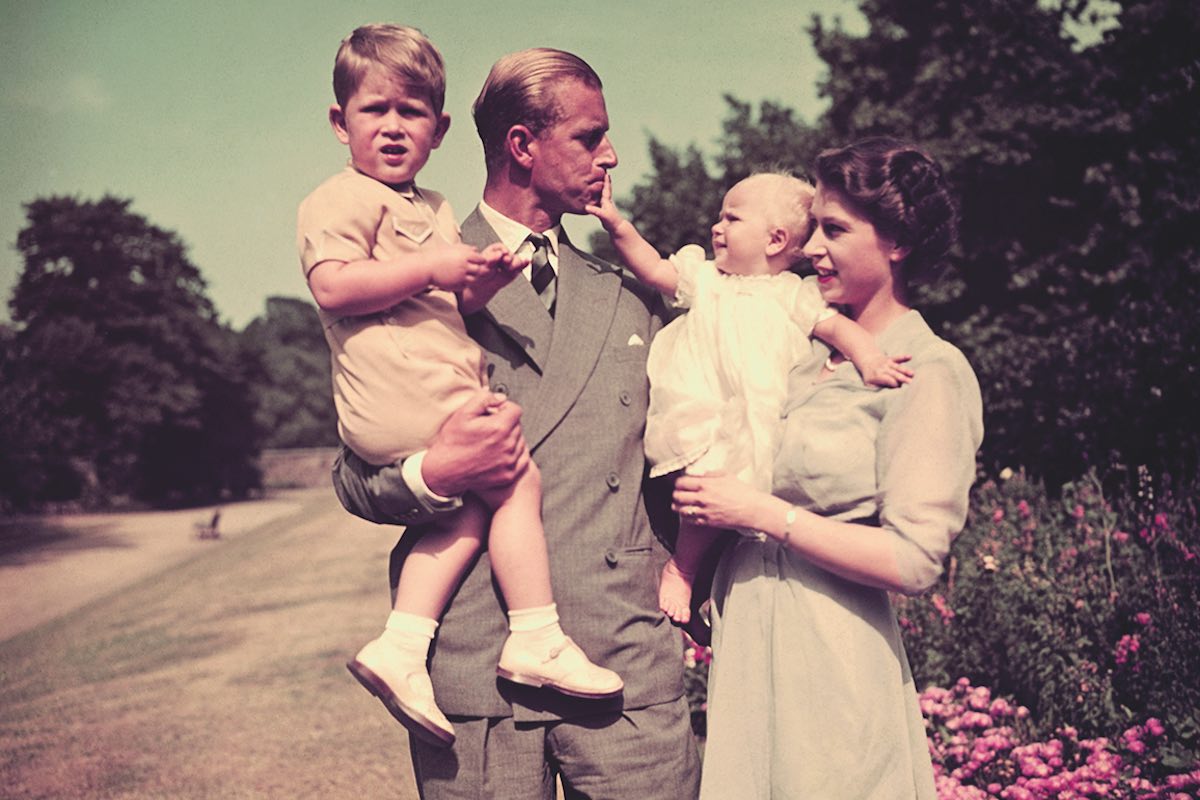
point(391, 279)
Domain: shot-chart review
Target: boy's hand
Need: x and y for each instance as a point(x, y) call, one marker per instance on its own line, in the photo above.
point(501, 267)
point(454, 266)
point(885, 370)
point(606, 211)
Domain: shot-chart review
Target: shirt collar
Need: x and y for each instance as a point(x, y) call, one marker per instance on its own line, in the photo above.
point(512, 233)
point(408, 190)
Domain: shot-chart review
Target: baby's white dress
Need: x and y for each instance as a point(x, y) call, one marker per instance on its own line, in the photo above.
point(718, 374)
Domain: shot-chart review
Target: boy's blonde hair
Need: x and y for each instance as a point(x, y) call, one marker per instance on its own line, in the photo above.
point(790, 200)
point(403, 51)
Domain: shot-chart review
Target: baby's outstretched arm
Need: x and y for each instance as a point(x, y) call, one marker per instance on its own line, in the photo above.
point(876, 367)
point(638, 254)
point(501, 267)
point(351, 288)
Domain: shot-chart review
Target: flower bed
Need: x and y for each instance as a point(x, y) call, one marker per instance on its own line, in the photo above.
point(1077, 621)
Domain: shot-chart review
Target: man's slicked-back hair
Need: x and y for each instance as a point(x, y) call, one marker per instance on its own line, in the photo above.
point(520, 90)
point(403, 51)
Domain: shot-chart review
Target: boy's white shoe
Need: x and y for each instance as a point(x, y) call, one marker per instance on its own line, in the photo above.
point(564, 668)
point(404, 689)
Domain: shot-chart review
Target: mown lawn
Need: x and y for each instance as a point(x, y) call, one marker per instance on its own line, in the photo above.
point(222, 677)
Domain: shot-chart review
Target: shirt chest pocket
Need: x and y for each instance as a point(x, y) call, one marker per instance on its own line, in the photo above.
point(415, 230)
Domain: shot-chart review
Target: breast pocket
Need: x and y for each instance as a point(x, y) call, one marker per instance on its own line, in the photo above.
point(415, 230)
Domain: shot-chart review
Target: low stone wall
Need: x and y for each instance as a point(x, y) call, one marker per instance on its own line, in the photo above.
point(296, 468)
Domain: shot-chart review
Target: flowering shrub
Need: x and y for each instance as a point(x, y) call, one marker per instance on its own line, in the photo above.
point(1078, 622)
point(696, 660)
point(1086, 612)
point(984, 747)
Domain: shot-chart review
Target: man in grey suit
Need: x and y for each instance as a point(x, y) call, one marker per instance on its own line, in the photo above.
point(572, 353)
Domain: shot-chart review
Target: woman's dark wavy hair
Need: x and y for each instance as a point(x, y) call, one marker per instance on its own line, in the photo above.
point(903, 193)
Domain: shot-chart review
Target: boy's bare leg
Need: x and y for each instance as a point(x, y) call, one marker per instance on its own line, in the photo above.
point(438, 561)
point(537, 652)
point(679, 573)
point(393, 666)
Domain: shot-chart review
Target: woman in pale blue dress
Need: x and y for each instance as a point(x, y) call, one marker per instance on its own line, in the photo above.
point(810, 695)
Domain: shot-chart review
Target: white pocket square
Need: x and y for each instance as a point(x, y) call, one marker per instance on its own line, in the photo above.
point(636, 341)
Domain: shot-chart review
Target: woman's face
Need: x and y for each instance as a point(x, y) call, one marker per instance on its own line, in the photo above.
point(853, 261)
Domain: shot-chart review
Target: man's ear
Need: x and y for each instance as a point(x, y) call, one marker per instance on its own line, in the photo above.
point(337, 120)
point(443, 125)
point(520, 143)
point(779, 241)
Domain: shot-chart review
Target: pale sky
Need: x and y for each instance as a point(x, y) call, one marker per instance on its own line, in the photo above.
point(211, 115)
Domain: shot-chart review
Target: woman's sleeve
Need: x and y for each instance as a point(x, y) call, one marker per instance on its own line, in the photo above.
point(925, 465)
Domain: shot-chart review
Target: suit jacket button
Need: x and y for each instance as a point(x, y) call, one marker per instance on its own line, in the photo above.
point(613, 481)
point(626, 398)
point(610, 556)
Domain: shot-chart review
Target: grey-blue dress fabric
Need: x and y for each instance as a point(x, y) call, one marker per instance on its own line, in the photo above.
point(810, 694)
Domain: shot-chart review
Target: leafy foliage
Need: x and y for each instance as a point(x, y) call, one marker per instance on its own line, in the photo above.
point(1078, 167)
point(118, 380)
point(291, 376)
point(1085, 611)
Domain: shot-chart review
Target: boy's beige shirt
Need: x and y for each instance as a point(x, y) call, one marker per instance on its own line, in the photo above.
point(397, 374)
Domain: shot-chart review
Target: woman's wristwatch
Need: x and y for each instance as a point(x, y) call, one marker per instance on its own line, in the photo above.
point(789, 519)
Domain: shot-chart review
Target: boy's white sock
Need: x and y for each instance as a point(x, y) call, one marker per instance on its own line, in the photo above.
point(536, 627)
point(410, 634)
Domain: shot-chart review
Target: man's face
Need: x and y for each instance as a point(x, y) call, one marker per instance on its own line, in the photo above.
point(571, 158)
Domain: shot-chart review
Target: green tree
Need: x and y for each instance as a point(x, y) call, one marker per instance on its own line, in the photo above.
point(1078, 167)
point(291, 376)
point(119, 381)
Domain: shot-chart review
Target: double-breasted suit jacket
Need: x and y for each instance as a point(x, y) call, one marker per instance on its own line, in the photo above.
point(580, 378)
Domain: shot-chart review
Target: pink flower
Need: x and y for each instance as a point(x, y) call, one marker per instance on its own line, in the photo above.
point(1141, 618)
point(1121, 537)
point(998, 515)
point(1023, 508)
point(1154, 727)
point(1078, 512)
point(1127, 647)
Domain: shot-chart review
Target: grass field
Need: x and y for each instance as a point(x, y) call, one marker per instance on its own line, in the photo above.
point(219, 677)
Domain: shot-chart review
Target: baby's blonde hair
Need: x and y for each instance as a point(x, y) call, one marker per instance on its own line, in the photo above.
point(401, 50)
point(790, 200)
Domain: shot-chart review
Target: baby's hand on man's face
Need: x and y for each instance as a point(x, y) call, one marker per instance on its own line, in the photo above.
point(606, 211)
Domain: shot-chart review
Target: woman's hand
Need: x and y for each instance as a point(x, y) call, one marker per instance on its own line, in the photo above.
point(719, 501)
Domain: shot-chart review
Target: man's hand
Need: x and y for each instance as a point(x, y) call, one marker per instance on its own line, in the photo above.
point(479, 446)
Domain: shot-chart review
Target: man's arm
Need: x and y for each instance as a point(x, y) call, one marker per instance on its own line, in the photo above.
point(479, 446)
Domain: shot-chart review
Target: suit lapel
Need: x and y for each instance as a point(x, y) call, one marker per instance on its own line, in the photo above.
point(516, 309)
point(587, 301)
point(563, 349)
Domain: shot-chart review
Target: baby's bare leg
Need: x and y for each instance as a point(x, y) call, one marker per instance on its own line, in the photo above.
point(678, 574)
